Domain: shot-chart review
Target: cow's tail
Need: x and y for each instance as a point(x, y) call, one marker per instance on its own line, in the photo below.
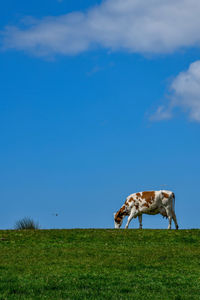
point(173, 201)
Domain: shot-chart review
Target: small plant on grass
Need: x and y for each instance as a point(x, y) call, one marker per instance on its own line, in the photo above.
point(26, 223)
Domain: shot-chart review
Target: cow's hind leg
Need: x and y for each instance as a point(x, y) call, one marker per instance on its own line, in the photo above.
point(169, 215)
point(170, 222)
point(174, 219)
point(140, 221)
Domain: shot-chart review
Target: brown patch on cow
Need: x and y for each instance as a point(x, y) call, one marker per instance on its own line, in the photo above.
point(136, 206)
point(118, 219)
point(165, 195)
point(119, 215)
point(130, 199)
point(148, 196)
point(145, 205)
point(138, 194)
point(122, 209)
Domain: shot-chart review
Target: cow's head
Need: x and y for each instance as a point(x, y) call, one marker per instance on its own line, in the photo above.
point(118, 220)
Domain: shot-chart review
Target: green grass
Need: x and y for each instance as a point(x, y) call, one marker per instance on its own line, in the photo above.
point(100, 264)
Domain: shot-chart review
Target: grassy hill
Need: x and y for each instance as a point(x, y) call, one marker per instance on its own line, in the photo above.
point(100, 264)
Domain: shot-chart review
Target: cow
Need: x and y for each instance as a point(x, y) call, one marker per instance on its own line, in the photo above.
point(148, 202)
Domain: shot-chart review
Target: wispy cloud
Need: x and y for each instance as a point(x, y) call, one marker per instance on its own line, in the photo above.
point(94, 70)
point(162, 113)
point(137, 26)
point(185, 94)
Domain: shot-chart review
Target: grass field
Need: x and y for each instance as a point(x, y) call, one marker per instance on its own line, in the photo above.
point(100, 264)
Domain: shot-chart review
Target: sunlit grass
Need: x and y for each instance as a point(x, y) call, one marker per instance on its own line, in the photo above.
point(100, 264)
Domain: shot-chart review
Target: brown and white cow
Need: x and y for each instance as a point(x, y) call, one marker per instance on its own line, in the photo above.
point(151, 203)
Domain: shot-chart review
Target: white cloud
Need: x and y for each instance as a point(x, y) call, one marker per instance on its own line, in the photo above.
point(137, 26)
point(185, 94)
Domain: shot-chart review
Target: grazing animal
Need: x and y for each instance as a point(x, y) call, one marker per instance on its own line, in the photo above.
point(151, 203)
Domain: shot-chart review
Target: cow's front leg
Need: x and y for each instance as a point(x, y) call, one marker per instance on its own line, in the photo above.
point(128, 221)
point(132, 215)
point(140, 221)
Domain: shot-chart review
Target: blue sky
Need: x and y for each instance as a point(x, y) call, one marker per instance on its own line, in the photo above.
point(97, 105)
